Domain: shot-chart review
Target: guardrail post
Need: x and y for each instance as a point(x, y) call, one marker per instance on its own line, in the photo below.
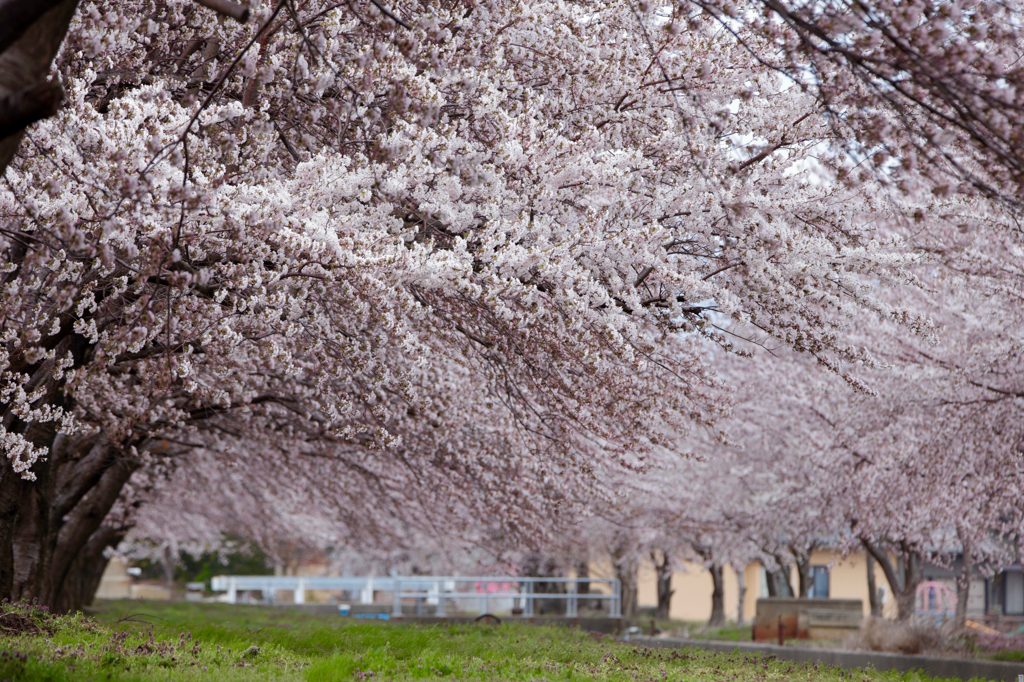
point(442, 588)
point(571, 608)
point(529, 598)
point(232, 590)
point(396, 606)
point(300, 591)
point(616, 606)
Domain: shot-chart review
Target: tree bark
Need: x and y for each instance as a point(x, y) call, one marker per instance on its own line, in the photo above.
point(717, 597)
point(582, 571)
point(771, 583)
point(26, 63)
point(79, 589)
point(778, 582)
point(53, 538)
point(873, 596)
point(626, 573)
point(803, 570)
point(663, 572)
point(11, 485)
point(963, 586)
point(742, 587)
point(168, 562)
point(903, 578)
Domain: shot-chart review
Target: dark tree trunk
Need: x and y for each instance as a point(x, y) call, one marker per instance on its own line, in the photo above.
point(26, 63)
point(663, 571)
point(717, 597)
point(742, 588)
point(771, 583)
point(11, 491)
point(56, 535)
point(873, 597)
point(963, 586)
point(83, 579)
point(778, 582)
point(803, 570)
point(536, 566)
point(903, 578)
point(625, 571)
point(582, 571)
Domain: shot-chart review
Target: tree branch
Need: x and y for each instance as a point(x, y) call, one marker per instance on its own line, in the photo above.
point(228, 9)
point(16, 16)
point(23, 108)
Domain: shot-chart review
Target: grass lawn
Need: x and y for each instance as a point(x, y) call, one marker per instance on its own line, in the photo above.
point(187, 641)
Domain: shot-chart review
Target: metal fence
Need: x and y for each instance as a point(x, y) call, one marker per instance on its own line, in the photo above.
point(492, 594)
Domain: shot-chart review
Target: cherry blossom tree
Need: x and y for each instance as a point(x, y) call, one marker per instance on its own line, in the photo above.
point(434, 264)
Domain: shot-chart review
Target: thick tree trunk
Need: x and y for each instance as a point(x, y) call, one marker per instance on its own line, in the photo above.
point(56, 535)
point(903, 578)
point(83, 579)
point(663, 572)
point(717, 597)
point(11, 485)
point(873, 597)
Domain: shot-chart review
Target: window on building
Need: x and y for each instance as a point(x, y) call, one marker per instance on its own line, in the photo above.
point(1014, 595)
point(819, 582)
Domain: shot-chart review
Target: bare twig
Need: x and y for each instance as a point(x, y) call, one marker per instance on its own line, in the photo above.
point(390, 15)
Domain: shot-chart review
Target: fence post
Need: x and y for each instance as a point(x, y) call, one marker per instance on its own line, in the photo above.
point(232, 590)
point(571, 610)
point(396, 606)
point(300, 591)
point(616, 606)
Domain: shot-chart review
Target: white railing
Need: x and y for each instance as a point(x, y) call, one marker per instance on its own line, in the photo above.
point(435, 590)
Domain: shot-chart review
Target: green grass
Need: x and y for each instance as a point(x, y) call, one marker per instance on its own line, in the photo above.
point(699, 630)
point(183, 641)
point(1008, 655)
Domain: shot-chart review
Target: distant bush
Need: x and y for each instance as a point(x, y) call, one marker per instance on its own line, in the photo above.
point(879, 634)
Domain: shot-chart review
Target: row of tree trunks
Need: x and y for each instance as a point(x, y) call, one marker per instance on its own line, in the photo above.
point(903, 574)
